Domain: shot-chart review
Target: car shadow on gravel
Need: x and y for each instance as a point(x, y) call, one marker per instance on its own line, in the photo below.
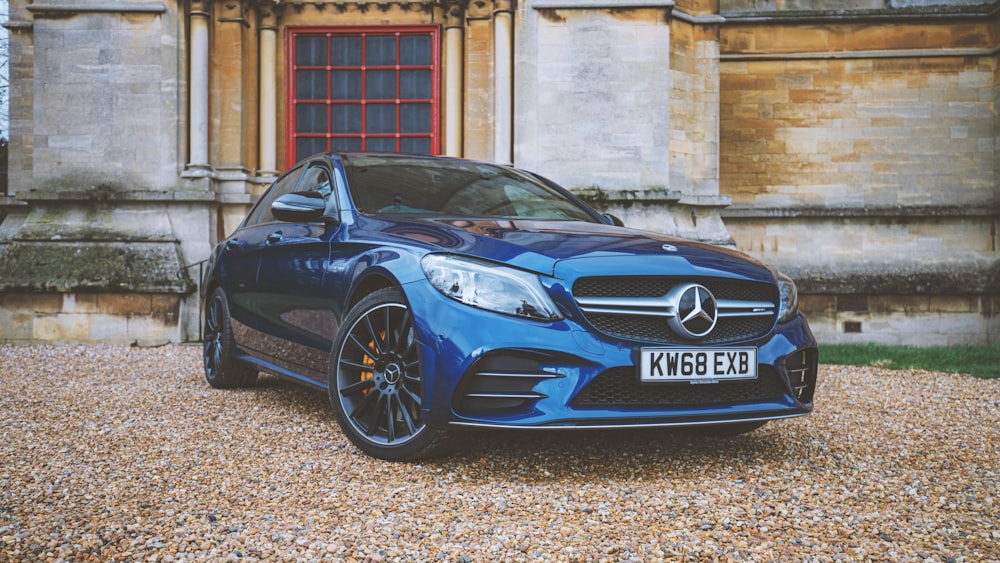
point(614, 454)
point(545, 455)
point(286, 395)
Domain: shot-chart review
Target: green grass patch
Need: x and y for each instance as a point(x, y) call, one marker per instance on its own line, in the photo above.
point(980, 361)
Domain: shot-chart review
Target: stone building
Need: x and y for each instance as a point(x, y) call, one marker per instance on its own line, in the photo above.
point(853, 145)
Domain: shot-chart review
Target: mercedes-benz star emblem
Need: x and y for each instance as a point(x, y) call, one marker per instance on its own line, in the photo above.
point(695, 310)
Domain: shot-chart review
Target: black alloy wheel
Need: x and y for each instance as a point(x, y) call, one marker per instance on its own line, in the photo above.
point(222, 369)
point(376, 384)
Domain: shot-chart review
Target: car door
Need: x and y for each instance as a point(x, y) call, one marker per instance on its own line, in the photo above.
point(299, 316)
point(240, 259)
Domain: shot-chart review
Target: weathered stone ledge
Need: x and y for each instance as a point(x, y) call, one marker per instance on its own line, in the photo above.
point(744, 212)
point(62, 7)
point(607, 197)
point(68, 267)
point(844, 55)
point(942, 278)
point(893, 14)
point(601, 4)
point(9, 201)
point(117, 195)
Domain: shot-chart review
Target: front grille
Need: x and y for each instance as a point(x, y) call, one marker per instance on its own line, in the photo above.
point(620, 387)
point(736, 322)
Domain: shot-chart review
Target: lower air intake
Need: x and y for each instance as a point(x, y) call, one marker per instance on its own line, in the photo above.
point(620, 387)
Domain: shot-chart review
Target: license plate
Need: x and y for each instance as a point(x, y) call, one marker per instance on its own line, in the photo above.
point(697, 365)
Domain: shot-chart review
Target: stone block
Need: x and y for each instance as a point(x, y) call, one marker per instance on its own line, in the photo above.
point(817, 304)
point(892, 304)
point(975, 79)
point(36, 303)
point(61, 328)
point(165, 308)
point(147, 331)
point(125, 304)
point(111, 329)
point(948, 304)
point(80, 303)
point(16, 325)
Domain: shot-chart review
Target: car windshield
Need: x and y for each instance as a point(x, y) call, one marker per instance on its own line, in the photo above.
point(416, 186)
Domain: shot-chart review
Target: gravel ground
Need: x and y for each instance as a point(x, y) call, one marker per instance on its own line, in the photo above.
point(116, 453)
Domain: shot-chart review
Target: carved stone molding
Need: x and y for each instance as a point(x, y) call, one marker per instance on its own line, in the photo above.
point(342, 6)
point(454, 13)
point(234, 11)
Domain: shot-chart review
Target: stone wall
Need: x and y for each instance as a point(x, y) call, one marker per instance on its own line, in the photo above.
point(861, 156)
point(140, 319)
point(106, 99)
point(95, 240)
point(593, 95)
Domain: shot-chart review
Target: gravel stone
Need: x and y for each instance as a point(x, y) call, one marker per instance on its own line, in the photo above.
point(125, 454)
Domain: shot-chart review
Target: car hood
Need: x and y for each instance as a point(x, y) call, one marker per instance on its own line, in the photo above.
point(568, 249)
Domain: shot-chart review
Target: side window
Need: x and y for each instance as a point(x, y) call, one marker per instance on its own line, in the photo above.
point(262, 212)
point(317, 179)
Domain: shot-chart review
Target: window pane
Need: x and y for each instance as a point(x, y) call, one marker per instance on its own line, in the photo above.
point(415, 118)
point(380, 85)
point(305, 146)
point(345, 118)
point(380, 50)
point(345, 51)
point(415, 84)
point(415, 50)
point(310, 51)
point(310, 85)
point(415, 145)
point(351, 144)
point(350, 94)
point(345, 85)
point(381, 118)
point(285, 184)
point(381, 144)
point(310, 118)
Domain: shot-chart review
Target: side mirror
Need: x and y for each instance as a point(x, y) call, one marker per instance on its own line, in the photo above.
point(612, 219)
point(299, 207)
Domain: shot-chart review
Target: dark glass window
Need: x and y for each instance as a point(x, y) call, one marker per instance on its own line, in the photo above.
point(372, 90)
point(285, 184)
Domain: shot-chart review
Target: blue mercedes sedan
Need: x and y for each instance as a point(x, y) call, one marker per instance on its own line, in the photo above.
point(430, 294)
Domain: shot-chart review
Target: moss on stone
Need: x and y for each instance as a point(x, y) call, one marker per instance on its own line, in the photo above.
point(94, 267)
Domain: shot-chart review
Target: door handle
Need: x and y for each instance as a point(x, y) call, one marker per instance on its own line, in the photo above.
point(233, 243)
point(274, 237)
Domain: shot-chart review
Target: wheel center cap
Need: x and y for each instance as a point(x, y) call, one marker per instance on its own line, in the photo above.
point(393, 373)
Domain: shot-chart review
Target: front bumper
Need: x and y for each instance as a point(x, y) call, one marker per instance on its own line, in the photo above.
point(484, 369)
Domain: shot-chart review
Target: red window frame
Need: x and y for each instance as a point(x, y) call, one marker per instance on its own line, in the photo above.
point(433, 31)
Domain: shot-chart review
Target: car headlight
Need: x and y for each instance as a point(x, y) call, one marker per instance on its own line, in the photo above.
point(789, 298)
point(489, 286)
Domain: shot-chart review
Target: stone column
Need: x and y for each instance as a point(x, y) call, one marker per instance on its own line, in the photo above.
point(454, 69)
point(268, 102)
point(503, 100)
point(198, 87)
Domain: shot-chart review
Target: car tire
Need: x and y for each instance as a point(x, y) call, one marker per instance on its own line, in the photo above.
point(376, 382)
point(222, 369)
point(728, 430)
